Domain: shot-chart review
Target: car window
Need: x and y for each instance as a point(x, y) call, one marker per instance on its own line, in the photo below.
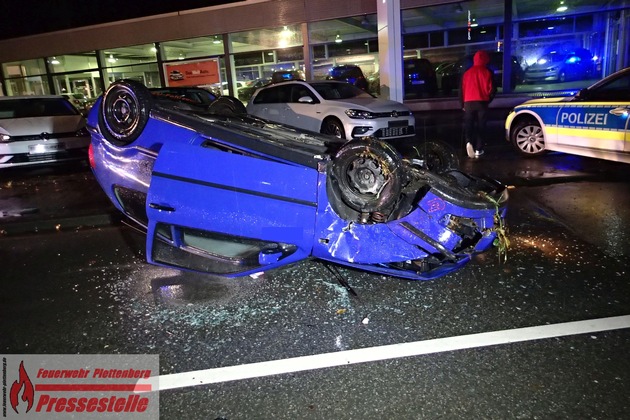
point(300, 91)
point(274, 95)
point(616, 90)
point(336, 91)
point(36, 107)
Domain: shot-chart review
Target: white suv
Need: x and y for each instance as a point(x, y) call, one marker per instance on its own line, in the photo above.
point(332, 107)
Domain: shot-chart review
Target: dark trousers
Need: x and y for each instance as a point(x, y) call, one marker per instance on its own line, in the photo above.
point(475, 118)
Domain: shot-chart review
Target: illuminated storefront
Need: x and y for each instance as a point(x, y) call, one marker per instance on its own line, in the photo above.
point(547, 46)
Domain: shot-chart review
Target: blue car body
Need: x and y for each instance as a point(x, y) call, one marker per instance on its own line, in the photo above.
point(228, 194)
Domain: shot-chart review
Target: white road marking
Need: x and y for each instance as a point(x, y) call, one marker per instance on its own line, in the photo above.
point(393, 351)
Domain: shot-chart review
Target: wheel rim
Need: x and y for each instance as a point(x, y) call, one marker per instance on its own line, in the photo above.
point(334, 130)
point(366, 177)
point(530, 139)
point(123, 113)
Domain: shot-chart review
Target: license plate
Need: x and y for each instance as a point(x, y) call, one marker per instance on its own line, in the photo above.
point(393, 131)
point(401, 123)
point(45, 148)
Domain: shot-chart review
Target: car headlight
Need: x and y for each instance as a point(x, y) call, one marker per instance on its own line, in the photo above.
point(359, 114)
point(5, 137)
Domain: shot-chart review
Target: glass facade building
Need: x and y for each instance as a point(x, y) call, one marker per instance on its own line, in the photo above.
point(537, 46)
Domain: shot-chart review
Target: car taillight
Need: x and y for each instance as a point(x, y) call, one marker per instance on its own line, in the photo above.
point(91, 156)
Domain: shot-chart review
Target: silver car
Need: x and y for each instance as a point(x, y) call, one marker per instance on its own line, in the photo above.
point(40, 129)
point(331, 107)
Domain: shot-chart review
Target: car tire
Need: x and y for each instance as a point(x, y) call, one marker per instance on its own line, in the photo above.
point(227, 105)
point(465, 190)
point(437, 156)
point(332, 126)
point(124, 111)
point(528, 137)
point(367, 174)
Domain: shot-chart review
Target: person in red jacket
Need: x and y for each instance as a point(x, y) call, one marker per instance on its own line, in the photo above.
point(475, 94)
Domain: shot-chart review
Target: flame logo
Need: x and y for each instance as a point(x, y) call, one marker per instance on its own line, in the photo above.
point(28, 394)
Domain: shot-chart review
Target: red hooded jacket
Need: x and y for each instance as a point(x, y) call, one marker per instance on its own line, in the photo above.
point(477, 82)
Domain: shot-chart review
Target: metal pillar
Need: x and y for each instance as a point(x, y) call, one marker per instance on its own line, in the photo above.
point(390, 49)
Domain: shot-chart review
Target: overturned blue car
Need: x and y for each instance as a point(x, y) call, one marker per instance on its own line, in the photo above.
point(221, 192)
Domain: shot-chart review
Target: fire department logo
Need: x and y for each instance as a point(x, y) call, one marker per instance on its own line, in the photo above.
point(82, 386)
point(22, 389)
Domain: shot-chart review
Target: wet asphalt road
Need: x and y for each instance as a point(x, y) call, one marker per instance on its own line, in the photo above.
point(81, 286)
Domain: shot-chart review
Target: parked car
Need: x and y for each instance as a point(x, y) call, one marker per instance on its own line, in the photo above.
point(349, 73)
point(246, 92)
point(283, 75)
point(451, 76)
point(419, 77)
point(592, 123)
point(281, 195)
point(222, 88)
point(332, 107)
point(442, 69)
point(561, 67)
point(40, 129)
point(79, 100)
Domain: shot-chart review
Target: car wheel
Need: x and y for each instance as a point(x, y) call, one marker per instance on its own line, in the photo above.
point(333, 127)
point(463, 189)
point(437, 156)
point(124, 111)
point(227, 105)
point(368, 175)
point(528, 137)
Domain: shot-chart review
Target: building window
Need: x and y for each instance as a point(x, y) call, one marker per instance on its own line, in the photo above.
point(351, 42)
point(137, 62)
point(27, 77)
point(552, 49)
point(258, 54)
point(186, 49)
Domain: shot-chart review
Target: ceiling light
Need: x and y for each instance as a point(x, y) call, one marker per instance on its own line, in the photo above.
point(216, 40)
point(54, 61)
point(338, 39)
point(111, 59)
point(562, 7)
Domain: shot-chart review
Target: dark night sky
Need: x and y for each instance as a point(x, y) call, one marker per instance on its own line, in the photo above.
point(29, 17)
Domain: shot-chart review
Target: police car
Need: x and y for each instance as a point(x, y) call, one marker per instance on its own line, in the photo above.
point(592, 123)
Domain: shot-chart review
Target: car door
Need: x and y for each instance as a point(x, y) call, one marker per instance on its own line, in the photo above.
point(303, 109)
point(223, 212)
point(272, 103)
point(597, 118)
